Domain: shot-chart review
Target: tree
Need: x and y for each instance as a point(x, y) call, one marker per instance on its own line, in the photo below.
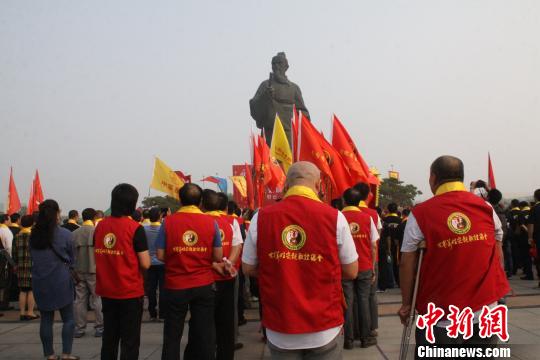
point(162, 202)
point(393, 190)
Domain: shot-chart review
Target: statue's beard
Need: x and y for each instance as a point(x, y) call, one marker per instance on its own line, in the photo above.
point(280, 77)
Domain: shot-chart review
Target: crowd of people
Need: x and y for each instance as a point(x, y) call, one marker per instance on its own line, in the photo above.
point(314, 275)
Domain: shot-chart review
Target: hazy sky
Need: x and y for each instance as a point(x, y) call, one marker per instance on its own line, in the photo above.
point(90, 91)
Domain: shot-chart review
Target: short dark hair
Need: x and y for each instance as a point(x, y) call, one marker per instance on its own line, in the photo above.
point(494, 196)
point(73, 214)
point(14, 217)
point(154, 214)
point(514, 203)
point(523, 204)
point(223, 201)
point(3, 218)
point(27, 221)
point(352, 197)
point(100, 214)
point(392, 207)
point(123, 200)
point(88, 214)
point(210, 200)
point(146, 214)
point(190, 194)
point(537, 194)
point(337, 203)
point(364, 190)
point(164, 211)
point(136, 215)
point(448, 168)
point(480, 184)
point(406, 212)
point(231, 207)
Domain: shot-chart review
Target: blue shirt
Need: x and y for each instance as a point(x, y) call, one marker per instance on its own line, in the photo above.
point(161, 238)
point(51, 281)
point(152, 232)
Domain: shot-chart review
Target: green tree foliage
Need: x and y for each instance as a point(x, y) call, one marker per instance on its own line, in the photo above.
point(393, 190)
point(162, 202)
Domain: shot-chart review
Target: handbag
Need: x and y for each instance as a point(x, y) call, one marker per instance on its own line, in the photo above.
point(72, 272)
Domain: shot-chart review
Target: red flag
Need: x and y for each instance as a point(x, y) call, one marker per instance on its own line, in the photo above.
point(491, 176)
point(340, 172)
point(265, 168)
point(272, 174)
point(345, 146)
point(257, 165)
point(278, 176)
point(294, 129)
point(14, 203)
point(309, 147)
point(249, 185)
point(36, 195)
point(185, 178)
point(211, 179)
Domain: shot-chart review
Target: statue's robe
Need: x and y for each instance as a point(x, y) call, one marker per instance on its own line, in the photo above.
point(264, 109)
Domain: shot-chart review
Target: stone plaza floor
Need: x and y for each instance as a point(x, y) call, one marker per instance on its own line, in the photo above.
point(20, 340)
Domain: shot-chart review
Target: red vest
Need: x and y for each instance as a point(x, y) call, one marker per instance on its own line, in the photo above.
point(226, 231)
point(461, 264)
point(117, 266)
point(189, 240)
point(299, 267)
point(230, 219)
point(375, 217)
point(360, 225)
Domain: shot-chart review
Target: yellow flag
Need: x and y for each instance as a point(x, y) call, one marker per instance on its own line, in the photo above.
point(165, 179)
point(240, 184)
point(280, 148)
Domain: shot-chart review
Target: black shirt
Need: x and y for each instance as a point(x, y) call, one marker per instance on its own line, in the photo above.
point(14, 230)
point(534, 219)
point(139, 240)
point(390, 229)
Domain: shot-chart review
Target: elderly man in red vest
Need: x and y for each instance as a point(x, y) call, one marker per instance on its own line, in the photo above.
point(463, 256)
point(300, 249)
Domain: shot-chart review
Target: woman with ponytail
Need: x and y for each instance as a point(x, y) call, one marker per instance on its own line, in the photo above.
point(51, 249)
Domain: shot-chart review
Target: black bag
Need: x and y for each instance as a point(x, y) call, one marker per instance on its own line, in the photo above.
point(72, 271)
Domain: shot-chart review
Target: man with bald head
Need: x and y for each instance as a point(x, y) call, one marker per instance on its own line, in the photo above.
point(300, 249)
point(463, 256)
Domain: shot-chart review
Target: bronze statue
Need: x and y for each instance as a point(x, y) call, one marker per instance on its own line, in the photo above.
point(276, 95)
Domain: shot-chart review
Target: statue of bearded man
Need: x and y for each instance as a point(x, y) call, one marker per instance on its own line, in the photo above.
point(276, 95)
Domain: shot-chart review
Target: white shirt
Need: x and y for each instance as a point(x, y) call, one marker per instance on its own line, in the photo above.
point(6, 237)
point(237, 234)
point(379, 223)
point(413, 235)
point(374, 231)
point(347, 255)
